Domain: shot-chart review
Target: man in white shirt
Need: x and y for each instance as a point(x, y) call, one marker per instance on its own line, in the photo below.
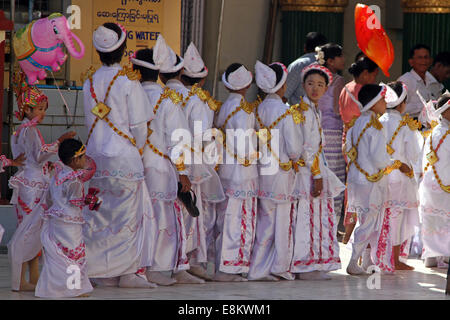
point(441, 72)
point(418, 79)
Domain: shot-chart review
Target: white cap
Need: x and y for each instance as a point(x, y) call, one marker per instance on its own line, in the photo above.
point(165, 58)
point(143, 63)
point(372, 102)
point(194, 66)
point(266, 78)
point(392, 99)
point(238, 79)
point(107, 40)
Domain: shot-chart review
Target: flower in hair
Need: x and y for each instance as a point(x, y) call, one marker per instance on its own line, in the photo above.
point(320, 56)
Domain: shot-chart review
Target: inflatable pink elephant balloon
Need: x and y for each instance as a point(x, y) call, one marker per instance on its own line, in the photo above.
point(38, 46)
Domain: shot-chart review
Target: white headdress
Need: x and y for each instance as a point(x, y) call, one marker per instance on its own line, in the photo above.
point(107, 40)
point(194, 66)
point(392, 99)
point(238, 79)
point(266, 78)
point(372, 102)
point(165, 58)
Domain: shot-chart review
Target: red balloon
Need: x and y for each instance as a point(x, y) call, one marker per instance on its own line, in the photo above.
point(372, 39)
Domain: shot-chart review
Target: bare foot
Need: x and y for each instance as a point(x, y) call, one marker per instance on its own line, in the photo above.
point(84, 295)
point(134, 281)
point(200, 272)
point(227, 277)
point(159, 278)
point(185, 277)
point(26, 286)
point(402, 266)
point(267, 278)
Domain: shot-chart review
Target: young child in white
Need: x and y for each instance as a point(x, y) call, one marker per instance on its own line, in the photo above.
point(434, 190)
point(366, 148)
point(402, 204)
point(64, 249)
point(5, 162)
point(117, 236)
point(316, 249)
point(164, 165)
point(236, 216)
point(200, 109)
point(281, 140)
point(29, 184)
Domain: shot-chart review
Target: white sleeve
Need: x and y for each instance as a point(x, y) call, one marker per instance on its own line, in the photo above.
point(137, 104)
point(74, 193)
point(311, 140)
point(36, 148)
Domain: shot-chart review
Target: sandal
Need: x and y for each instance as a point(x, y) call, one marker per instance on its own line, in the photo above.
point(189, 204)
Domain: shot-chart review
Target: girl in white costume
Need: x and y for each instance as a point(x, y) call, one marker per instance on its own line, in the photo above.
point(29, 184)
point(200, 109)
point(434, 190)
point(274, 240)
point(367, 187)
point(404, 144)
point(118, 236)
point(236, 216)
point(164, 166)
point(316, 249)
point(5, 162)
point(64, 249)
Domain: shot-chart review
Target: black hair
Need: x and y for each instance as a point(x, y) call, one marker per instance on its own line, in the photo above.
point(443, 58)
point(172, 75)
point(316, 71)
point(190, 81)
point(146, 73)
point(362, 64)
point(417, 47)
point(398, 88)
point(232, 68)
point(442, 100)
point(110, 58)
point(278, 71)
point(313, 40)
point(331, 51)
point(67, 150)
point(368, 92)
point(359, 55)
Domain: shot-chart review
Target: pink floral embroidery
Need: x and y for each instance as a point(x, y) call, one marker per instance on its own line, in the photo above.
point(182, 260)
point(240, 260)
point(383, 243)
point(28, 183)
point(58, 213)
point(78, 254)
point(317, 261)
point(78, 202)
point(4, 162)
point(70, 176)
point(331, 259)
point(331, 228)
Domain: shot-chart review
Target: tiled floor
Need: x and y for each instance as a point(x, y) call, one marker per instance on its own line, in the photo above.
point(423, 283)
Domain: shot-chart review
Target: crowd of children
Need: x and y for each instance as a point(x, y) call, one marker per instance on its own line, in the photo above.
point(261, 193)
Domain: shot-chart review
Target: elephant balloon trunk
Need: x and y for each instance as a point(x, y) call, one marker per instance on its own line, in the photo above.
point(71, 47)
